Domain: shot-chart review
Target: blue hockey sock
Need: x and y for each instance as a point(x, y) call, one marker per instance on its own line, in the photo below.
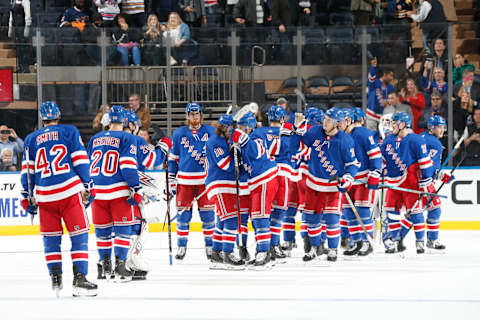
point(183, 228)
point(393, 218)
point(332, 221)
point(217, 236)
point(303, 226)
point(262, 233)
point(229, 234)
point(344, 233)
point(289, 224)
point(354, 227)
point(365, 215)
point(79, 252)
point(136, 229)
point(314, 228)
point(53, 253)
point(433, 223)
point(121, 244)
point(276, 220)
point(208, 225)
point(244, 227)
point(104, 241)
point(418, 226)
point(323, 235)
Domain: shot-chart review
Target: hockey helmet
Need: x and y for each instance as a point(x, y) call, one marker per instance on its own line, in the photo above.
point(358, 114)
point(49, 110)
point(132, 118)
point(311, 113)
point(248, 120)
point(434, 121)
point(349, 113)
point(276, 112)
point(116, 114)
point(226, 120)
point(193, 107)
point(335, 114)
point(403, 117)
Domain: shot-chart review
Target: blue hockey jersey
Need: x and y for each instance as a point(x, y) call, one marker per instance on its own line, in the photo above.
point(434, 149)
point(377, 94)
point(220, 167)
point(367, 153)
point(147, 156)
point(114, 165)
point(58, 163)
point(399, 154)
point(187, 156)
point(329, 156)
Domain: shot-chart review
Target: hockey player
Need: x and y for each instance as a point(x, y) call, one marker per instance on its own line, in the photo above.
point(118, 193)
point(262, 183)
point(55, 166)
point(332, 155)
point(408, 165)
point(221, 188)
point(186, 165)
point(436, 129)
point(366, 182)
point(279, 150)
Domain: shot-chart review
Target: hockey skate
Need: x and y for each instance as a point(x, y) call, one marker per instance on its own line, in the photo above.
point(57, 283)
point(243, 253)
point(321, 249)
point(216, 261)
point(400, 246)
point(420, 247)
point(311, 255)
point(390, 246)
point(277, 254)
point(100, 275)
point(365, 250)
point(181, 253)
point(107, 268)
point(306, 244)
point(287, 248)
point(354, 250)
point(345, 243)
point(81, 286)
point(332, 255)
point(262, 260)
point(232, 262)
point(137, 264)
point(208, 252)
point(139, 275)
point(434, 246)
point(122, 274)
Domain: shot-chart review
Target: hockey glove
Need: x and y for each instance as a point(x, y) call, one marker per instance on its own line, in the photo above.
point(165, 144)
point(424, 183)
point(172, 180)
point(135, 197)
point(373, 179)
point(345, 183)
point(302, 128)
point(445, 177)
point(239, 137)
point(88, 194)
point(286, 129)
point(28, 203)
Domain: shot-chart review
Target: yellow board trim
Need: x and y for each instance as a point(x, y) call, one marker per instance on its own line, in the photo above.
point(197, 227)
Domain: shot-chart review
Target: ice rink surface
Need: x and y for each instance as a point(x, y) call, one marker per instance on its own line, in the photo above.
point(378, 287)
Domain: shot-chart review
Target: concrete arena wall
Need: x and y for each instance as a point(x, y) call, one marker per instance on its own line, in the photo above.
point(461, 211)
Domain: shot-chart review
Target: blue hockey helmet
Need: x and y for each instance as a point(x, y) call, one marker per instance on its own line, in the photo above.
point(358, 114)
point(311, 113)
point(319, 116)
point(49, 110)
point(434, 121)
point(193, 107)
point(349, 113)
point(335, 114)
point(276, 112)
point(132, 118)
point(226, 120)
point(403, 117)
point(116, 114)
point(248, 120)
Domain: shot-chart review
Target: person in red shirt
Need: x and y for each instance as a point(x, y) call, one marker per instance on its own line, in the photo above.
point(415, 99)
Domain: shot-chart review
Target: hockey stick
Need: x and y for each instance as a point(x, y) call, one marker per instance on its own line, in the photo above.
point(302, 97)
point(237, 187)
point(188, 207)
point(382, 202)
point(29, 184)
point(411, 191)
point(457, 145)
point(167, 188)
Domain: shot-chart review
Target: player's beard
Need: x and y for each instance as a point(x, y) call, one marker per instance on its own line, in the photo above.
point(195, 123)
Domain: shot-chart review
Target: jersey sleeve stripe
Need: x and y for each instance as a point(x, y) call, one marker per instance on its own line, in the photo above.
point(149, 160)
point(224, 163)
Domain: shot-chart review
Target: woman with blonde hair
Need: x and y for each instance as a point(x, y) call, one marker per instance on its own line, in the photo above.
point(183, 46)
point(415, 99)
point(152, 41)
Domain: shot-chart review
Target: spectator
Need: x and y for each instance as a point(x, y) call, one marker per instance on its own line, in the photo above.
point(184, 47)
point(290, 114)
point(77, 16)
point(432, 21)
point(394, 105)
point(460, 64)
point(469, 86)
point(10, 140)
point(284, 15)
point(142, 111)
point(6, 160)
point(144, 134)
point(437, 84)
point(193, 12)
point(438, 107)
point(108, 9)
point(127, 39)
point(213, 13)
point(101, 120)
point(472, 143)
point(19, 30)
point(90, 36)
point(152, 36)
point(415, 99)
point(250, 13)
point(462, 110)
point(439, 58)
point(379, 86)
point(304, 12)
point(362, 11)
point(134, 11)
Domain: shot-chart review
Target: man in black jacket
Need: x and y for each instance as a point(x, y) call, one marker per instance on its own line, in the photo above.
point(250, 13)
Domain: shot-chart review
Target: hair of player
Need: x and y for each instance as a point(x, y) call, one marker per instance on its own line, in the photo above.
point(383, 71)
point(222, 131)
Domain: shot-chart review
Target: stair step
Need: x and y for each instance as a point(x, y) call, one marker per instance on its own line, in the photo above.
point(465, 18)
point(9, 62)
point(5, 45)
point(19, 105)
point(7, 53)
point(25, 78)
point(463, 5)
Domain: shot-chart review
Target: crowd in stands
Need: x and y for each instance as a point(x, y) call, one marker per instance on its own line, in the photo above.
point(11, 147)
